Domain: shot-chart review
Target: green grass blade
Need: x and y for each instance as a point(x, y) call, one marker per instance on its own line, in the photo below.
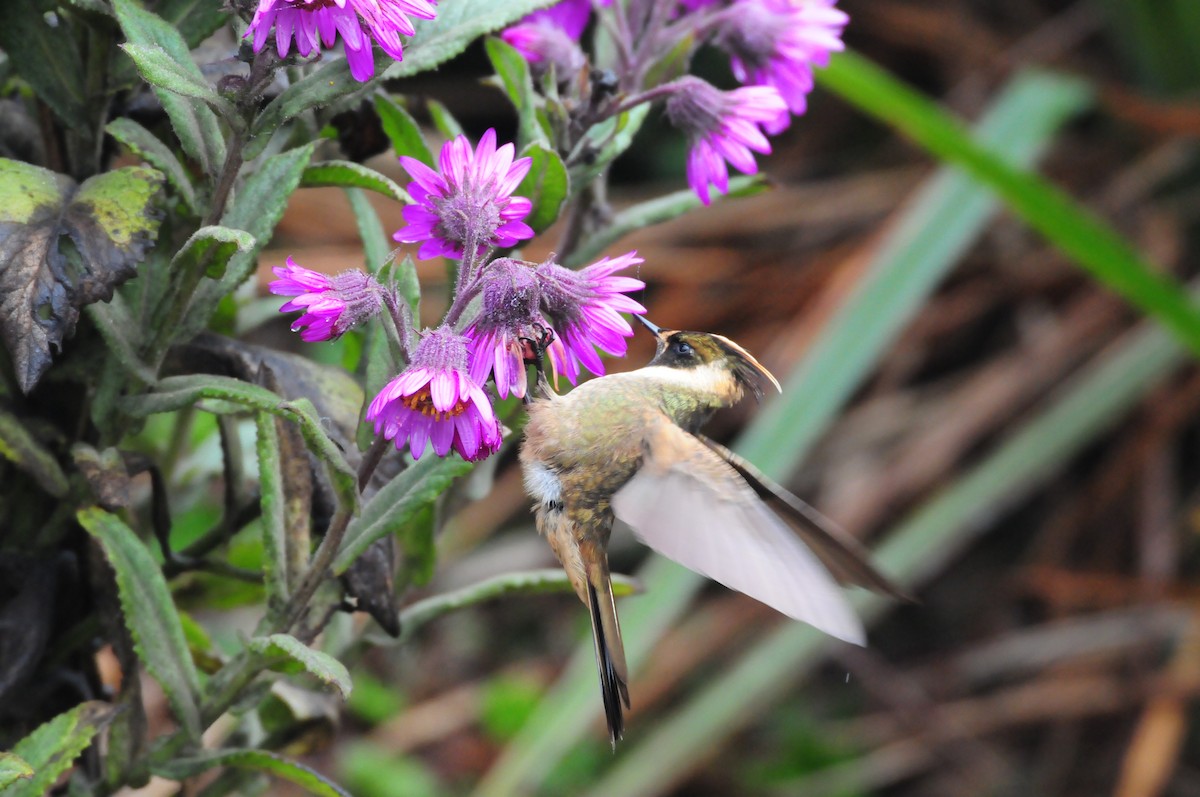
point(1088, 241)
point(917, 548)
point(941, 222)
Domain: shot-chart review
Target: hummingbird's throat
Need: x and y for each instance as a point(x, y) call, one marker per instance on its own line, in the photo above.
point(422, 402)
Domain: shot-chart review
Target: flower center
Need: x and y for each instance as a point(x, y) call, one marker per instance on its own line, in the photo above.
point(422, 402)
point(468, 213)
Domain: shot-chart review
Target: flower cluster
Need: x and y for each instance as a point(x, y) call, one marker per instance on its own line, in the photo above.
point(314, 23)
point(439, 400)
point(773, 47)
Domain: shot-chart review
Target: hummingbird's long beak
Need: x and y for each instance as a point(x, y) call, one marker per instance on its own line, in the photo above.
point(654, 328)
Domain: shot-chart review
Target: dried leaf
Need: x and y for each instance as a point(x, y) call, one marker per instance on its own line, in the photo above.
point(64, 246)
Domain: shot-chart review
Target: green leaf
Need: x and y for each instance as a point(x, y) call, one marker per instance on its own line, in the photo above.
point(546, 186)
point(12, 769)
point(938, 226)
point(608, 140)
point(326, 668)
point(210, 249)
point(529, 582)
point(21, 448)
point(194, 122)
point(256, 209)
point(402, 130)
point(443, 120)
point(656, 211)
point(376, 244)
point(1088, 241)
point(258, 760)
point(122, 332)
point(51, 749)
point(62, 247)
point(146, 146)
point(398, 503)
point(224, 394)
point(158, 68)
point(48, 58)
point(513, 71)
point(330, 82)
point(347, 174)
point(457, 25)
point(273, 499)
point(150, 615)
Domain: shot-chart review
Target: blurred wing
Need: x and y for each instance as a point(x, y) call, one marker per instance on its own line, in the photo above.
point(842, 554)
point(694, 508)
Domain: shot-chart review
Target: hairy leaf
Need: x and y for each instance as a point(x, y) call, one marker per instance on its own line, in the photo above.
point(150, 614)
point(329, 82)
point(20, 447)
point(193, 120)
point(259, 760)
point(146, 146)
point(51, 749)
point(607, 141)
point(123, 335)
point(256, 209)
point(211, 248)
point(325, 667)
point(271, 489)
point(398, 503)
point(64, 246)
point(456, 26)
point(347, 174)
point(160, 69)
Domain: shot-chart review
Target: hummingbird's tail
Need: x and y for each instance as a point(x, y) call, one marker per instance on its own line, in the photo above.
point(610, 654)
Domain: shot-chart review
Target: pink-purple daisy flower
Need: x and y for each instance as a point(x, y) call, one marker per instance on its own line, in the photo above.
point(470, 200)
point(316, 22)
point(508, 312)
point(552, 35)
point(436, 402)
point(778, 42)
point(331, 305)
point(723, 126)
point(584, 307)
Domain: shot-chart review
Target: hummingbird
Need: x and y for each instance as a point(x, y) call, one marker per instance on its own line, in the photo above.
point(627, 447)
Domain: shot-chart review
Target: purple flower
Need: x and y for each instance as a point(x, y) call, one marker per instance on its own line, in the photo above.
point(317, 22)
point(778, 42)
point(470, 200)
point(583, 308)
point(508, 312)
point(435, 401)
point(551, 36)
point(331, 305)
point(722, 126)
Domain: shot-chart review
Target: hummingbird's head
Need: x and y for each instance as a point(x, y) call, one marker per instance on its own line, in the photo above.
point(694, 350)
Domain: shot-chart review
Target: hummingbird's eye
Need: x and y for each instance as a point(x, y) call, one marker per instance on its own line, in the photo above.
point(682, 348)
